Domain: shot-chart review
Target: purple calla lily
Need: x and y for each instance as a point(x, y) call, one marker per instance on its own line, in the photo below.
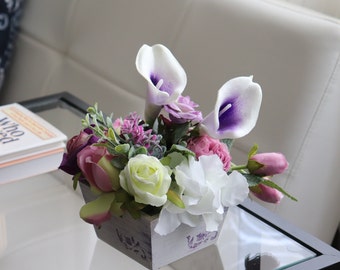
point(165, 76)
point(236, 109)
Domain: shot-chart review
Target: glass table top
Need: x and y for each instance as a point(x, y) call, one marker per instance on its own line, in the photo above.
point(40, 227)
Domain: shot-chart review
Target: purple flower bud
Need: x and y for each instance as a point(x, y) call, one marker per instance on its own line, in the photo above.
point(73, 147)
point(267, 164)
point(267, 194)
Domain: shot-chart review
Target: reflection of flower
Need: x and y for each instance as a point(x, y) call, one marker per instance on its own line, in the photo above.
point(173, 162)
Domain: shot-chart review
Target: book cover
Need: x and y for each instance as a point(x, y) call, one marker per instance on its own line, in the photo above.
point(23, 133)
point(29, 145)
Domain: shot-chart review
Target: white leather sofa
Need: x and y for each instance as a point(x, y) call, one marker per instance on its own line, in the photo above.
point(88, 48)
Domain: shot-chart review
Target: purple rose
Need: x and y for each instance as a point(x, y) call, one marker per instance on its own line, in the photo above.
point(183, 110)
point(74, 145)
point(267, 164)
point(95, 164)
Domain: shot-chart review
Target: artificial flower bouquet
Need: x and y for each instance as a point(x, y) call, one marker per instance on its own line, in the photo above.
point(173, 162)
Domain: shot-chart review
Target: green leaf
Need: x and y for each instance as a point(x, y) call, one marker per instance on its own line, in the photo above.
point(95, 190)
point(271, 184)
point(133, 208)
point(119, 162)
point(131, 152)
point(92, 110)
point(122, 148)
point(109, 121)
point(116, 209)
point(253, 150)
point(252, 179)
point(122, 196)
point(253, 165)
point(112, 136)
point(174, 159)
point(141, 150)
point(255, 189)
point(166, 161)
point(175, 199)
point(76, 180)
point(99, 206)
point(179, 131)
point(228, 142)
point(181, 149)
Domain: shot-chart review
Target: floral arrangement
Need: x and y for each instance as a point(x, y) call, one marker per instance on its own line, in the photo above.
point(172, 162)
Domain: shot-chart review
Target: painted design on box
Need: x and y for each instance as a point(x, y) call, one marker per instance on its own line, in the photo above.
point(131, 244)
point(200, 238)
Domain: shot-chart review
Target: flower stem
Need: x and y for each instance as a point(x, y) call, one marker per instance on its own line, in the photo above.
point(238, 167)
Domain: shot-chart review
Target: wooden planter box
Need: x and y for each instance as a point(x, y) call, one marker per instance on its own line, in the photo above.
point(137, 239)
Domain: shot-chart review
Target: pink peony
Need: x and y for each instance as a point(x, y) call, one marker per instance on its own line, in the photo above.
point(205, 145)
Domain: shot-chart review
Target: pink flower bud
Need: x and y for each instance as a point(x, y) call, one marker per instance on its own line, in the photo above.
point(267, 194)
point(94, 162)
point(73, 147)
point(267, 164)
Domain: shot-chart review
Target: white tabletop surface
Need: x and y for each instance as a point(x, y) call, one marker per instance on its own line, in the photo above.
point(40, 229)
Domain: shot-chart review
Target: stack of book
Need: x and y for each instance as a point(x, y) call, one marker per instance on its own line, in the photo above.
point(29, 145)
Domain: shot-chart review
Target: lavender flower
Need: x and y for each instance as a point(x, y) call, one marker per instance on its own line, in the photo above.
point(183, 110)
point(134, 130)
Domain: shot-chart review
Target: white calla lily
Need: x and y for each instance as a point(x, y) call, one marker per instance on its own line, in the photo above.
point(165, 76)
point(236, 109)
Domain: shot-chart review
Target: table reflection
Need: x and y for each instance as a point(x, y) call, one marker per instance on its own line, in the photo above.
point(247, 243)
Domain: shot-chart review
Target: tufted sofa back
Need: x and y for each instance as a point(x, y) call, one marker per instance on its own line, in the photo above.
point(88, 48)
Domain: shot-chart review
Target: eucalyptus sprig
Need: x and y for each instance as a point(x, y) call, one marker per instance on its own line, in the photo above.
point(100, 124)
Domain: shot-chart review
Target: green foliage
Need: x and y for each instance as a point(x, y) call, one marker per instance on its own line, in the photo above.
point(175, 199)
point(253, 151)
point(253, 180)
point(76, 180)
point(100, 205)
point(100, 124)
point(273, 185)
point(228, 142)
point(174, 133)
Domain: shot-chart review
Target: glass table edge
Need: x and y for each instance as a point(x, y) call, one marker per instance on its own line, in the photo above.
point(327, 256)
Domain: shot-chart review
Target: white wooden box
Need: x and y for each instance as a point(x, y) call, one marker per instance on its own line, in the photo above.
point(137, 239)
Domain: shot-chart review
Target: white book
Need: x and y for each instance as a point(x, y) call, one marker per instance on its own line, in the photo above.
point(29, 145)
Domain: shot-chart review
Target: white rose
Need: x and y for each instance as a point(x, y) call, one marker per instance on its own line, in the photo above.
point(147, 179)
